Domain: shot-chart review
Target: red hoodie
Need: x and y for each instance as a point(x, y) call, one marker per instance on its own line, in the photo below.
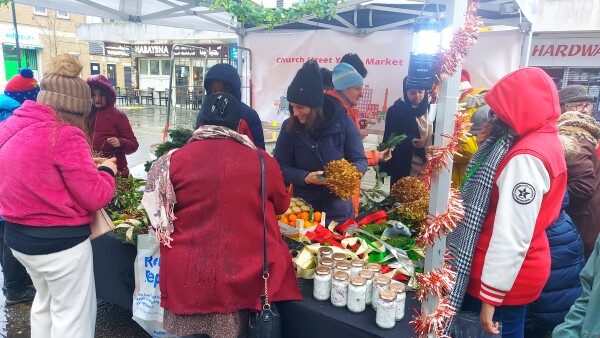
point(512, 257)
point(111, 122)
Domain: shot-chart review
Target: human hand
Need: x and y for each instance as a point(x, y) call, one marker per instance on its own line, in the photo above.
point(113, 141)
point(364, 133)
point(110, 163)
point(486, 319)
point(98, 160)
point(384, 156)
point(418, 142)
point(313, 178)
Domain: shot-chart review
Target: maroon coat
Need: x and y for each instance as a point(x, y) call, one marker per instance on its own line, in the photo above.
point(111, 122)
point(215, 263)
point(584, 194)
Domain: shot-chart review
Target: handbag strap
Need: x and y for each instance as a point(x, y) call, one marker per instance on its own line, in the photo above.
point(265, 272)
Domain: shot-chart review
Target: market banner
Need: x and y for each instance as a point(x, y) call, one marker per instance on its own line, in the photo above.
point(276, 57)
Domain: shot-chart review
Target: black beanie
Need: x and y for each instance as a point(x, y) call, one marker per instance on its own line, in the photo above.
point(307, 86)
point(221, 109)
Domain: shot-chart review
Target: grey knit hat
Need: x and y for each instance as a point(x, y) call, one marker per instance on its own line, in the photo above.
point(479, 118)
point(574, 93)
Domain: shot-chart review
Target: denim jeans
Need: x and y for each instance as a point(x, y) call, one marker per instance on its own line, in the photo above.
point(15, 275)
point(511, 317)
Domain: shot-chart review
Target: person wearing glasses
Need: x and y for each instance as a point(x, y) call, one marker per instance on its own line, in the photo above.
point(584, 169)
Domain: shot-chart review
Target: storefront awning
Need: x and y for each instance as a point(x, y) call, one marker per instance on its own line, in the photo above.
point(12, 45)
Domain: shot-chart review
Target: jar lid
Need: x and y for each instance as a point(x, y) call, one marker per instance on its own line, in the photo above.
point(342, 265)
point(387, 295)
point(358, 280)
point(368, 274)
point(338, 256)
point(374, 267)
point(340, 275)
point(382, 280)
point(326, 250)
point(327, 261)
point(358, 262)
point(323, 270)
point(397, 287)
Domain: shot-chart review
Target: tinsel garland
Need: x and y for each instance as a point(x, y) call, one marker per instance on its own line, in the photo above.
point(438, 282)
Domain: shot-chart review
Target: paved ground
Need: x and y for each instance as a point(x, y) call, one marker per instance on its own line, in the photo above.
point(148, 124)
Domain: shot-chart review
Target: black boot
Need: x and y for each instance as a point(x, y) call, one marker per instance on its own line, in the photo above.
point(20, 296)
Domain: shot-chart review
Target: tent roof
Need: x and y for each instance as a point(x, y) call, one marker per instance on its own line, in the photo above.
point(354, 16)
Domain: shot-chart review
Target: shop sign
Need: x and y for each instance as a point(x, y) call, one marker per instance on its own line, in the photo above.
point(152, 50)
point(565, 52)
point(117, 50)
point(27, 35)
point(213, 51)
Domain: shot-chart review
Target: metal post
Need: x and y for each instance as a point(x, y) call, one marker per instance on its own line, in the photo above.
point(14, 15)
point(440, 185)
point(527, 33)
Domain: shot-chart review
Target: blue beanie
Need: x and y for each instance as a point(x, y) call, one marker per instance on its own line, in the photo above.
point(345, 76)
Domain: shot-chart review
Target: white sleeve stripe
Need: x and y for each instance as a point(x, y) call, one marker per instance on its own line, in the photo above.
point(493, 299)
point(488, 290)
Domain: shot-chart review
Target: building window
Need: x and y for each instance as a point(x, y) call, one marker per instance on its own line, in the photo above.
point(165, 66)
point(40, 10)
point(62, 14)
point(93, 19)
point(143, 69)
point(154, 67)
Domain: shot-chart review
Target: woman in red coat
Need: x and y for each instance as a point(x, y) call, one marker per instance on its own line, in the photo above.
point(207, 212)
point(110, 130)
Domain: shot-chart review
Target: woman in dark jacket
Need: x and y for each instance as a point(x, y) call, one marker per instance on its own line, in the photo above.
point(319, 132)
point(110, 130)
point(408, 117)
point(563, 286)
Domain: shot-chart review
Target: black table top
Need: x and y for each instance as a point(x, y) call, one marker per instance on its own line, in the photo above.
point(316, 319)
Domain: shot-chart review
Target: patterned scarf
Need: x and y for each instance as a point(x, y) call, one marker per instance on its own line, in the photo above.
point(476, 192)
point(159, 196)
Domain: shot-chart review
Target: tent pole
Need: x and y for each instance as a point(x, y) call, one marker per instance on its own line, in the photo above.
point(440, 183)
point(14, 15)
point(527, 37)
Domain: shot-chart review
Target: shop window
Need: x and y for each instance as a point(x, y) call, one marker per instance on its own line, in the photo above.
point(165, 67)
point(143, 69)
point(37, 10)
point(62, 14)
point(154, 67)
point(93, 19)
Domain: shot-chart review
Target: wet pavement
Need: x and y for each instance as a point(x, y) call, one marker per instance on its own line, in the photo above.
point(147, 123)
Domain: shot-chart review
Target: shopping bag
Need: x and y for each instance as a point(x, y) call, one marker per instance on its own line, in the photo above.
point(146, 308)
point(467, 325)
point(101, 224)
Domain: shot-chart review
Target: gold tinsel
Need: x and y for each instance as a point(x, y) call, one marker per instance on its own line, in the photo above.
point(414, 211)
point(342, 178)
point(409, 189)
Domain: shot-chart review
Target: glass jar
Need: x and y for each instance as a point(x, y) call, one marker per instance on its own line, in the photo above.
point(357, 294)
point(386, 309)
point(368, 275)
point(355, 266)
point(328, 261)
point(322, 283)
point(324, 251)
point(376, 268)
point(339, 289)
point(380, 283)
point(400, 290)
point(342, 266)
point(339, 257)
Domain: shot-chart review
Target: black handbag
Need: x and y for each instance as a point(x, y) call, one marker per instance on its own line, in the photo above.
point(267, 322)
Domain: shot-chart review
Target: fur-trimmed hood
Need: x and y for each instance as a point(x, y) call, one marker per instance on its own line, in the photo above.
point(580, 126)
point(101, 82)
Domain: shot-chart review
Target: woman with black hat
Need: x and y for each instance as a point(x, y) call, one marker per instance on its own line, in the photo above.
point(318, 132)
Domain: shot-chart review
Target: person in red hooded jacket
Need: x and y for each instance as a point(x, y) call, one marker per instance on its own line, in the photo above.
point(109, 127)
point(513, 191)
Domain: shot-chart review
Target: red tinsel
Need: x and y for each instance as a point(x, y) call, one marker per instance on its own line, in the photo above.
point(440, 281)
point(436, 322)
point(436, 282)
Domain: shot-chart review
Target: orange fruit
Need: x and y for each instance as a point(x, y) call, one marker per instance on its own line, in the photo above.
point(304, 215)
point(284, 219)
point(308, 224)
point(317, 216)
point(292, 218)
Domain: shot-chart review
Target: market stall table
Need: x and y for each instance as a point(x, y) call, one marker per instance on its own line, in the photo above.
point(113, 269)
